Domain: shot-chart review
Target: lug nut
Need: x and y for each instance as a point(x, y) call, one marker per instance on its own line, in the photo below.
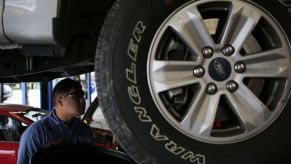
point(240, 67)
point(198, 71)
point(228, 50)
point(207, 52)
point(231, 86)
point(211, 88)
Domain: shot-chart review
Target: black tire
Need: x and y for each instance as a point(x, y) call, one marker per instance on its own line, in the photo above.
point(134, 117)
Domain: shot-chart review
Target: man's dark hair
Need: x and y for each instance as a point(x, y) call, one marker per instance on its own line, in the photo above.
point(64, 86)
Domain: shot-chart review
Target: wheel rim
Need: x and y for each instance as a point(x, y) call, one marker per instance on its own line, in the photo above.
point(218, 71)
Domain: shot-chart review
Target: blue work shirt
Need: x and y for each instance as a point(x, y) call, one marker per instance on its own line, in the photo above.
point(51, 131)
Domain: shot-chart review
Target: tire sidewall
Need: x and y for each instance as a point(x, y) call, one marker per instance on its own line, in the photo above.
point(131, 37)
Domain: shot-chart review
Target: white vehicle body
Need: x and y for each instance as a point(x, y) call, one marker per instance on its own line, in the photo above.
point(28, 21)
point(41, 37)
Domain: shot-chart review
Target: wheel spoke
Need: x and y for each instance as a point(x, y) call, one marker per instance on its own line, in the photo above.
point(266, 71)
point(251, 112)
point(191, 29)
point(239, 26)
point(167, 75)
point(267, 64)
point(270, 55)
point(201, 116)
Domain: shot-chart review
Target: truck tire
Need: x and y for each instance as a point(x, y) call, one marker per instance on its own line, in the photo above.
point(203, 81)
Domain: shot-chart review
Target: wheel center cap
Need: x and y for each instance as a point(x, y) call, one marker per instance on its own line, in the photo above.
point(219, 69)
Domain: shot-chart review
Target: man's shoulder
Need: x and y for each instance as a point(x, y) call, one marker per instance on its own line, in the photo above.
point(37, 126)
point(81, 123)
point(41, 122)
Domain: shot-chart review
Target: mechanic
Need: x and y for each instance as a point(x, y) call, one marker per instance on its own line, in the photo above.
point(61, 126)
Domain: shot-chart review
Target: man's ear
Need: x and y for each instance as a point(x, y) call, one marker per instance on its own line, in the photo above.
point(60, 101)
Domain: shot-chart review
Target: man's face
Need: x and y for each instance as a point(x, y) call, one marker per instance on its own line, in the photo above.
point(73, 102)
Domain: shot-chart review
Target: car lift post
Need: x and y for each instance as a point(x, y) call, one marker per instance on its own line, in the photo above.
point(89, 88)
point(46, 88)
point(24, 93)
point(1, 92)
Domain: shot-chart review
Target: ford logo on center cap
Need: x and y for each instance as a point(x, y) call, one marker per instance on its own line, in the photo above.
point(219, 69)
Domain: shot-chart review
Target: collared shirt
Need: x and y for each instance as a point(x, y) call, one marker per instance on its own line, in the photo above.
point(51, 131)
